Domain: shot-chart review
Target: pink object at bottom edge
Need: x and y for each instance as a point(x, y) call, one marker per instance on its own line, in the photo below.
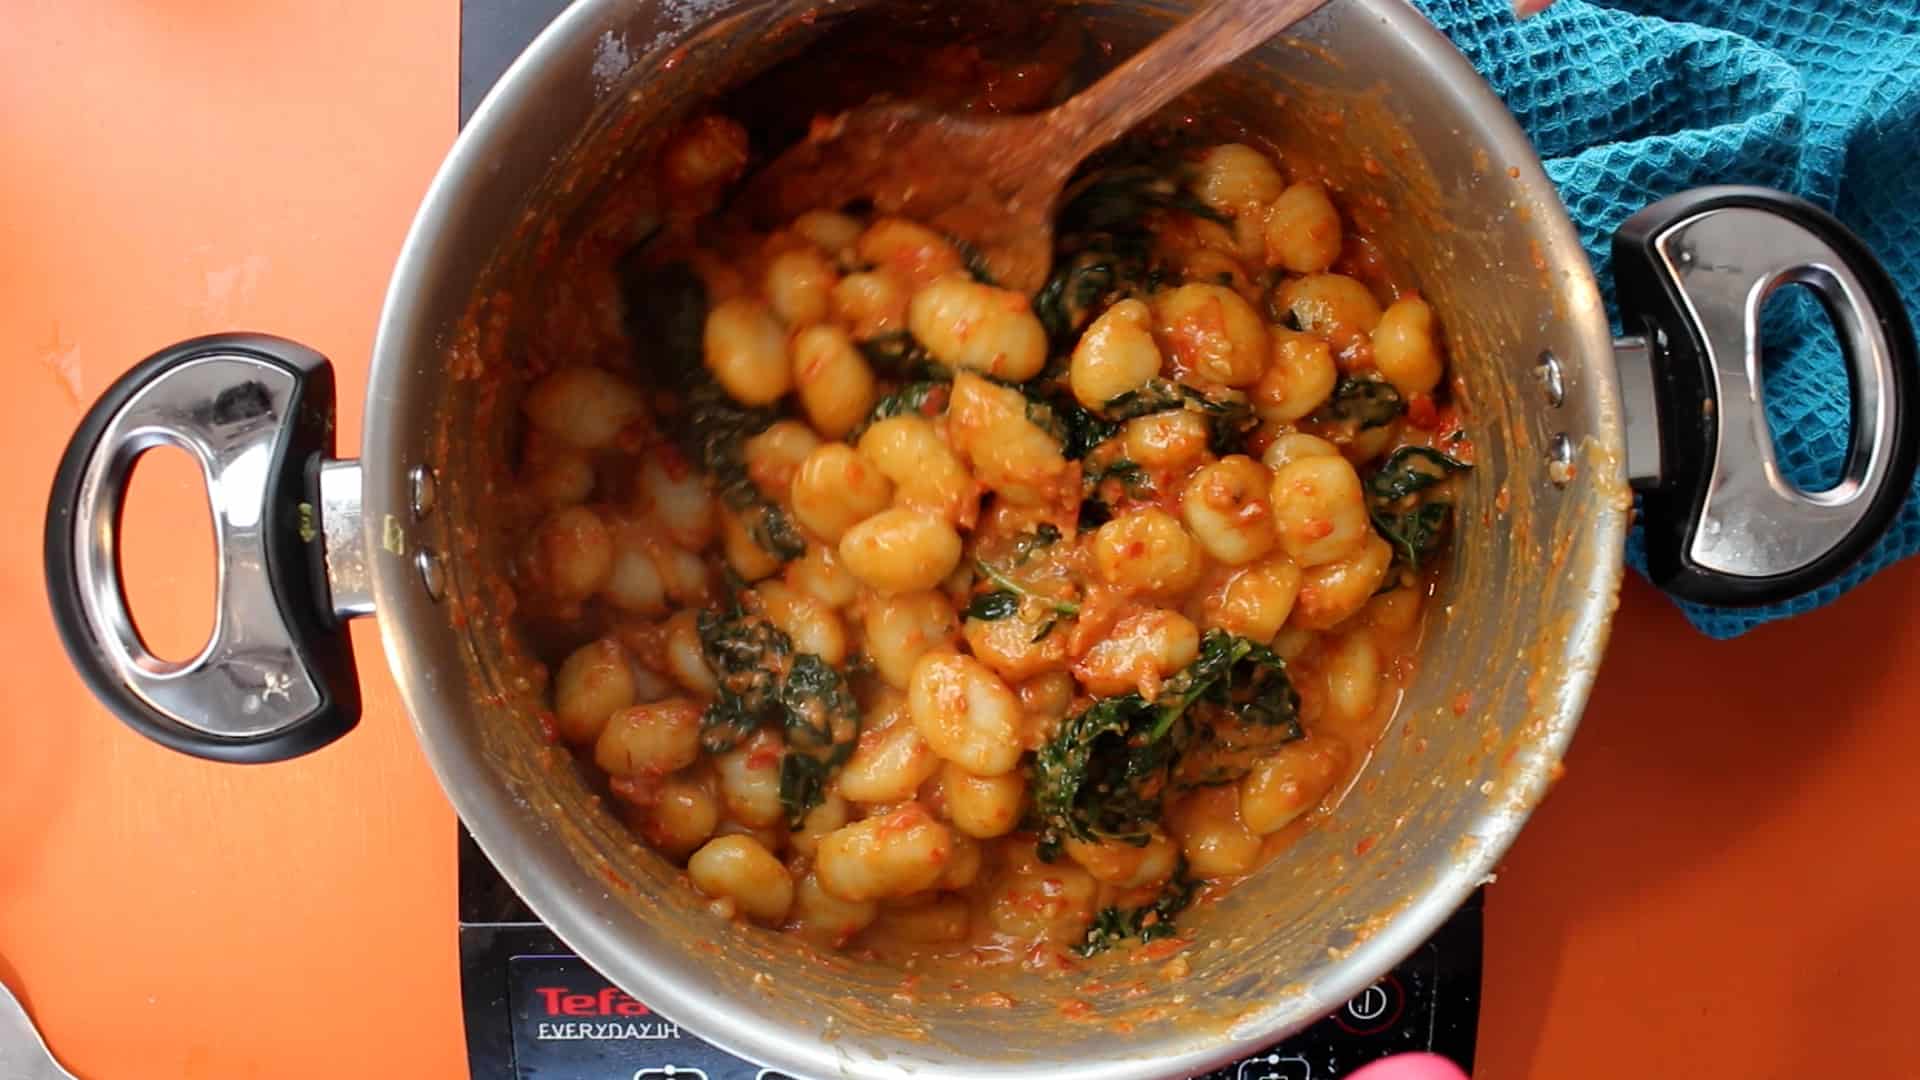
point(1411, 1067)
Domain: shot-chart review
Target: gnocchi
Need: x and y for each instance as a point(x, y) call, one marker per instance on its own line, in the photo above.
point(914, 615)
point(573, 550)
point(900, 550)
point(1116, 355)
point(583, 407)
point(1225, 507)
point(1332, 306)
point(1212, 333)
point(1319, 509)
point(965, 712)
point(835, 384)
point(889, 765)
point(975, 327)
point(903, 627)
point(654, 739)
point(1404, 348)
point(983, 807)
point(746, 349)
point(835, 489)
point(595, 682)
point(799, 287)
point(1302, 234)
point(682, 816)
point(738, 869)
point(894, 854)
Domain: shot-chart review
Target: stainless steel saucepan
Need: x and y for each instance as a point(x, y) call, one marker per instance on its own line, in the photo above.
point(1564, 418)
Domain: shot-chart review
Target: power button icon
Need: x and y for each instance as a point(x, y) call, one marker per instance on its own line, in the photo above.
point(1374, 1009)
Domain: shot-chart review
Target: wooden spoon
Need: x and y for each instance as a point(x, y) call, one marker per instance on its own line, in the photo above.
point(993, 182)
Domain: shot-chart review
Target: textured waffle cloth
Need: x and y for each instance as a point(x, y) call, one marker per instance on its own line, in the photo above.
point(1633, 100)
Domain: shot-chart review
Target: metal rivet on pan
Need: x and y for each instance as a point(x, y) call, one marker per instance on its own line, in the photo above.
point(424, 490)
point(1560, 460)
point(433, 572)
point(1551, 378)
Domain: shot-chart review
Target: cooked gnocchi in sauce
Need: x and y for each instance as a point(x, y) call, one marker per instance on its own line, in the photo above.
point(911, 614)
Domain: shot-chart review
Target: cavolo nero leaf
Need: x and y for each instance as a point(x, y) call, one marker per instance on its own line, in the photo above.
point(1370, 403)
point(1076, 428)
point(822, 725)
point(1132, 477)
point(1414, 523)
point(1411, 469)
point(1104, 773)
point(820, 710)
point(1011, 586)
point(897, 354)
point(1148, 922)
point(1103, 250)
point(1003, 601)
point(803, 785)
point(746, 654)
point(666, 311)
point(1229, 420)
point(994, 606)
point(926, 397)
point(1416, 533)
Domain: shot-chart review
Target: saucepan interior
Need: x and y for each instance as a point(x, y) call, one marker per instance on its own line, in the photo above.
point(1421, 155)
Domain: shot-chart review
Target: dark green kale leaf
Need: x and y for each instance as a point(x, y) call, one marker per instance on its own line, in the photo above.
point(1103, 251)
point(1258, 712)
point(1229, 424)
point(1111, 925)
point(1414, 533)
point(1080, 285)
point(1229, 420)
point(774, 531)
point(1133, 478)
point(1411, 520)
point(822, 725)
point(897, 354)
point(1004, 602)
point(994, 606)
point(1370, 403)
point(1148, 922)
point(1094, 512)
point(1104, 773)
point(666, 312)
point(803, 785)
point(1053, 410)
point(1157, 395)
point(1100, 777)
point(923, 398)
point(1411, 469)
point(1008, 584)
point(820, 710)
point(1027, 545)
point(727, 721)
point(746, 654)
point(1118, 199)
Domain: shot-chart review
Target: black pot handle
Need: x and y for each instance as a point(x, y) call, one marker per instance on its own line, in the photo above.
point(1723, 526)
point(276, 677)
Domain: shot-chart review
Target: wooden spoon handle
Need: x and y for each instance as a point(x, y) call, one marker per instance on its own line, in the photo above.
point(1172, 65)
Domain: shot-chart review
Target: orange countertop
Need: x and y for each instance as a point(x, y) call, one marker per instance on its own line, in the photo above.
point(1716, 888)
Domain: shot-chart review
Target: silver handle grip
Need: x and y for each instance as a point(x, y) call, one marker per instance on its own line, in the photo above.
point(1723, 524)
point(275, 677)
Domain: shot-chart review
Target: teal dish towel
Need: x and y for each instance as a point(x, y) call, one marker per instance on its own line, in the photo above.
point(1628, 102)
